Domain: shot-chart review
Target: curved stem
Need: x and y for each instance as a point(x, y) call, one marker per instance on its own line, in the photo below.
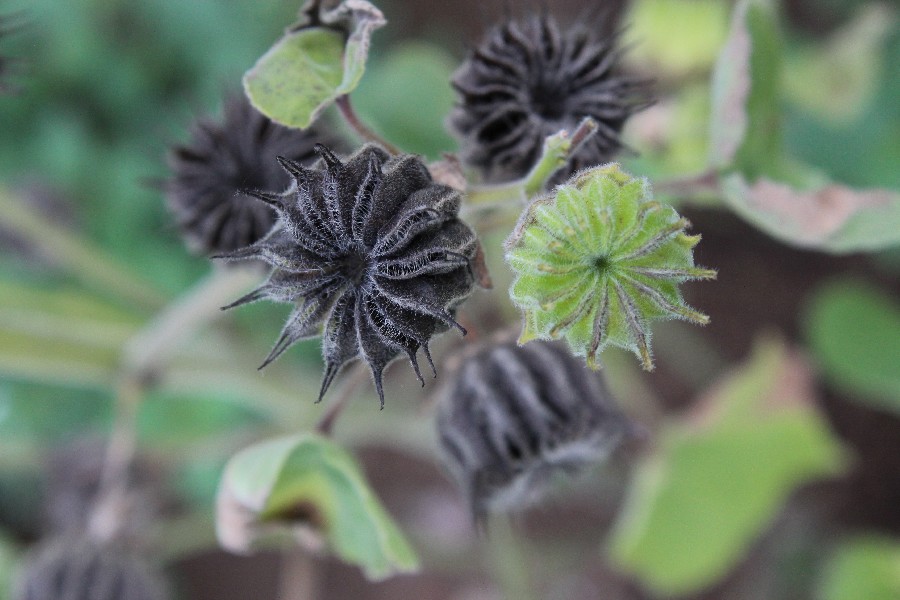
point(150, 349)
point(353, 120)
point(63, 248)
point(557, 151)
point(326, 424)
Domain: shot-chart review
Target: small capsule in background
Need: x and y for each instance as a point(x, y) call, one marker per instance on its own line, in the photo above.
point(514, 416)
point(76, 568)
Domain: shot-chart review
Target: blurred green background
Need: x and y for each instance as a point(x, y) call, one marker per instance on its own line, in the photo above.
point(106, 86)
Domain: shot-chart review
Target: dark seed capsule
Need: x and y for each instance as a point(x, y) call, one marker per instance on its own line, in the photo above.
point(516, 415)
point(77, 569)
point(206, 192)
point(372, 255)
point(530, 79)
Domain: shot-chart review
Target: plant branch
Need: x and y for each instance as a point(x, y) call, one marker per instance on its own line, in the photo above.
point(557, 151)
point(151, 348)
point(297, 577)
point(364, 131)
point(690, 188)
point(95, 268)
point(326, 424)
point(111, 502)
point(509, 561)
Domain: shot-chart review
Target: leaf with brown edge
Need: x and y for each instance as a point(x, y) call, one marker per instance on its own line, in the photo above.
point(832, 218)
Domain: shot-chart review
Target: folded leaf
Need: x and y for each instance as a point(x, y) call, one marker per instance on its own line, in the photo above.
point(307, 490)
point(319, 59)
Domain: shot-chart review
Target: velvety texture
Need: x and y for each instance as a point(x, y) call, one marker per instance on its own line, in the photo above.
point(530, 79)
point(372, 248)
point(210, 173)
point(515, 415)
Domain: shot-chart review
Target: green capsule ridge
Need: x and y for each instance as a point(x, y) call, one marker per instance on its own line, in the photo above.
point(597, 260)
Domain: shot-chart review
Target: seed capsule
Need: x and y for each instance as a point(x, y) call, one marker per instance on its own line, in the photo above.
point(530, 79)
point(78, 569)
point(515, 415)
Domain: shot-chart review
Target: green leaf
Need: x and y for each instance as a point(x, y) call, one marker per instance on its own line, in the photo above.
point(320, 59)
point(307, 488)
point(865, 567)
point(719, 476)
point(837, 80)
point(675, 38)
point(407, 97)
point(295, 80)
point(829, 217)
point(745, 125)
point(854, 334)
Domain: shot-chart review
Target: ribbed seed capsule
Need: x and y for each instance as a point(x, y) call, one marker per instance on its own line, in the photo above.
point(515, 415)
point(530, 79)
point(210, 175)
point(372, 254)
point(77, 569)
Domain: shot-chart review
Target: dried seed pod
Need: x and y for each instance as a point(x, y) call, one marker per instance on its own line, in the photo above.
point(597, 260)
point(528, 80)
point(515, 415)
point(78, 569)
point(225, 157)
point(372, 248)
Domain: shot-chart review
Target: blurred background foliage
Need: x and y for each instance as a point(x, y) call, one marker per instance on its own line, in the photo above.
point(804, 426)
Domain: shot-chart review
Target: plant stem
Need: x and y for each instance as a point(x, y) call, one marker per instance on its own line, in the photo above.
point(694, 188)
point(110, 507)
point(95, 268)
point(352, 382)
point(364, 131)
point(509, 562)
point(150, 349)
point(557, 151)
point(297, 577)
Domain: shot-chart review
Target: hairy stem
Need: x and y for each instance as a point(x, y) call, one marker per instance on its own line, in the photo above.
point(557, 151)
point(364, 131)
